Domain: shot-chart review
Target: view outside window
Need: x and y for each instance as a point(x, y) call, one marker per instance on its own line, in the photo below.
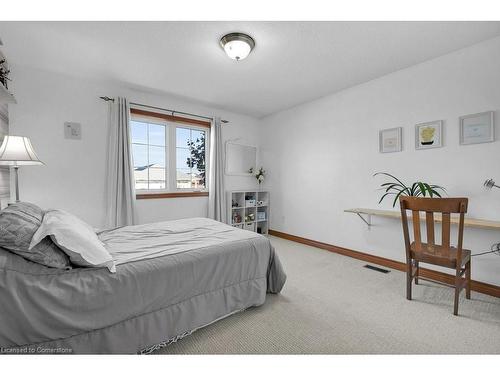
point(149, 154)
point(190, 158)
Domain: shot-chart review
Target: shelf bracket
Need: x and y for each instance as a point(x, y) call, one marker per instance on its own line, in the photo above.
point(368, 220)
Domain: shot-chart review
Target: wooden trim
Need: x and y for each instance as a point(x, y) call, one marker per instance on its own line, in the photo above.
point(477, 286)
point(186, 194)
point(164, 116)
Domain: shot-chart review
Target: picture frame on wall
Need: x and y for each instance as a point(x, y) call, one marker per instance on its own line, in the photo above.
point(429, 135)
point(391, 140)
point(477, 128)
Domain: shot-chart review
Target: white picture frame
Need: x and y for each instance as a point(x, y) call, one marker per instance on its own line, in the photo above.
point(391, 140)
point(477, 128)
point(429, 135)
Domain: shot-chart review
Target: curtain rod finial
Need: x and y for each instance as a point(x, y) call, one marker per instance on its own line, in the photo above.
point(107, 98)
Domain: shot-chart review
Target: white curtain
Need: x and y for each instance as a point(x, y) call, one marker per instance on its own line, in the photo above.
point(216, 191)
point(120, 191)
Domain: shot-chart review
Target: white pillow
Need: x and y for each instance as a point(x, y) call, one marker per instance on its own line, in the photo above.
point(76, 238)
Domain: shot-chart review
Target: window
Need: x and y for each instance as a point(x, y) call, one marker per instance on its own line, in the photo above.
point(168, 157)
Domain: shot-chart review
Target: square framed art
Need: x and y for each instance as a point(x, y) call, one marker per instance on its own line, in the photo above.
point(477, 128)
point(391, 140)
point(429, 135)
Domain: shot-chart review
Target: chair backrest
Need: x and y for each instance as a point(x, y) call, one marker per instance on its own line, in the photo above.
point(444, 206)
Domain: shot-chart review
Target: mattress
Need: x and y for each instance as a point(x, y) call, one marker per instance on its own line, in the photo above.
point(171, 278)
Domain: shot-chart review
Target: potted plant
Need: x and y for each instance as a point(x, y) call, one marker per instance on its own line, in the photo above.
point(397, 188)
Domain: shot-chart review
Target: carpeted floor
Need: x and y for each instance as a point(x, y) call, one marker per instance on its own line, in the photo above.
point(331, 304)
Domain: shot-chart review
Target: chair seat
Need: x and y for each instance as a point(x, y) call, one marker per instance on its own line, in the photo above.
point(438, 255)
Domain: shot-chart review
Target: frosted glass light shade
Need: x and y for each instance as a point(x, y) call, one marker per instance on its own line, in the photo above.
point(17, 151)
point(237, 45)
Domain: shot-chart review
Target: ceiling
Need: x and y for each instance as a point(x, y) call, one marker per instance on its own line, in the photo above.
point(293, 62)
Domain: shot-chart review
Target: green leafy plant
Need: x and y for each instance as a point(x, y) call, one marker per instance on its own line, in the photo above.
point(398, 188)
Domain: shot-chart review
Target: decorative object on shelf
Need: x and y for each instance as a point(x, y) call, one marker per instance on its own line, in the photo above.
point(250, 217)
point(261, 215)
point(477, 128)
point(17, 151)
point(249, 201)
point(490, 184)
point(428, 135)
point(260, 175)
point(260, 203)
point(234, 204)
point(4, 73)
point(398, 188)
point(236, 218)
point(391, 140)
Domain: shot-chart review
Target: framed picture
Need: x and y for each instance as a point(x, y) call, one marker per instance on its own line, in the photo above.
point(428, 135)
point(391, 140)
point(477, 128)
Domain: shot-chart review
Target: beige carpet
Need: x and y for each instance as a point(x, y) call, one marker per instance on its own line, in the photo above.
point(331, 304)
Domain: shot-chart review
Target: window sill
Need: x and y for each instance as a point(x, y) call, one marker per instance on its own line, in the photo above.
point(180, 194)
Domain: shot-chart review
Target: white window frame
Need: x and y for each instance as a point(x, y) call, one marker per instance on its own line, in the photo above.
point(171, 154)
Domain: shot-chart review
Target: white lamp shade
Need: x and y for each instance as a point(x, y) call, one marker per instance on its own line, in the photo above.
point(18, 151)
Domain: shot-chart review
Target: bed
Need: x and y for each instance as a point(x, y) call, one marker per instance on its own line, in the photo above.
point(171, 279)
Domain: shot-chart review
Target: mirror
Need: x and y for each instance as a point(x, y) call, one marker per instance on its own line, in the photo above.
point(240, 158)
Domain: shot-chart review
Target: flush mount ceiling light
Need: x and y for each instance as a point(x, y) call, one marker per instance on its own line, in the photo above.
point(237, 45)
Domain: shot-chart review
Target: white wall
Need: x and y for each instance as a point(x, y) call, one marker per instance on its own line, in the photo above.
point(74, 175)
point(321, 155)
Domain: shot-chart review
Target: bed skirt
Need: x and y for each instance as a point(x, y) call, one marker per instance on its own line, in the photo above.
point(150, 331)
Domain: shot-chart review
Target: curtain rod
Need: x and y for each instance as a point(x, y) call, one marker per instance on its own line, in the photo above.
point(108, 99)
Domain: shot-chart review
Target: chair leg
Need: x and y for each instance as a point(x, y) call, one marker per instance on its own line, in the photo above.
point(467, 276)
point(416, 273)
point(409, 271)
point(457, 292)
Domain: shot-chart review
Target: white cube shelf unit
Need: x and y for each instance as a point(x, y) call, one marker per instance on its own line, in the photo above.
point(249, 210)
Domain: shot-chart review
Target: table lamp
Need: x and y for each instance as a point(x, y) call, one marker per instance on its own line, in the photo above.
point(17, 151)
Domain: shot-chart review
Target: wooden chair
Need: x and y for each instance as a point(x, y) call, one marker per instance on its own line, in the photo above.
point(428, 252)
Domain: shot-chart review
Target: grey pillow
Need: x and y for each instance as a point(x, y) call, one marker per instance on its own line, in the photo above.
point(18, 224)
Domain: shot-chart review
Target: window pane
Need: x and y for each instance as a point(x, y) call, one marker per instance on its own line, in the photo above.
point(198, 136)
point(138, 132)
point(197, 151)
point(183, 154)
point(157, 178)
point(156, 135)
point(183, 135)
point(183, 178)
point(198, 179)
point(157, 156)
point(140, 155)
point(141, 177)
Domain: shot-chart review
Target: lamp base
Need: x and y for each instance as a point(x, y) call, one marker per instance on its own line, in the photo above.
point(16, 179)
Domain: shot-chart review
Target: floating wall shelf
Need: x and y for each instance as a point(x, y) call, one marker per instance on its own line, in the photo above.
point(366, 215)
